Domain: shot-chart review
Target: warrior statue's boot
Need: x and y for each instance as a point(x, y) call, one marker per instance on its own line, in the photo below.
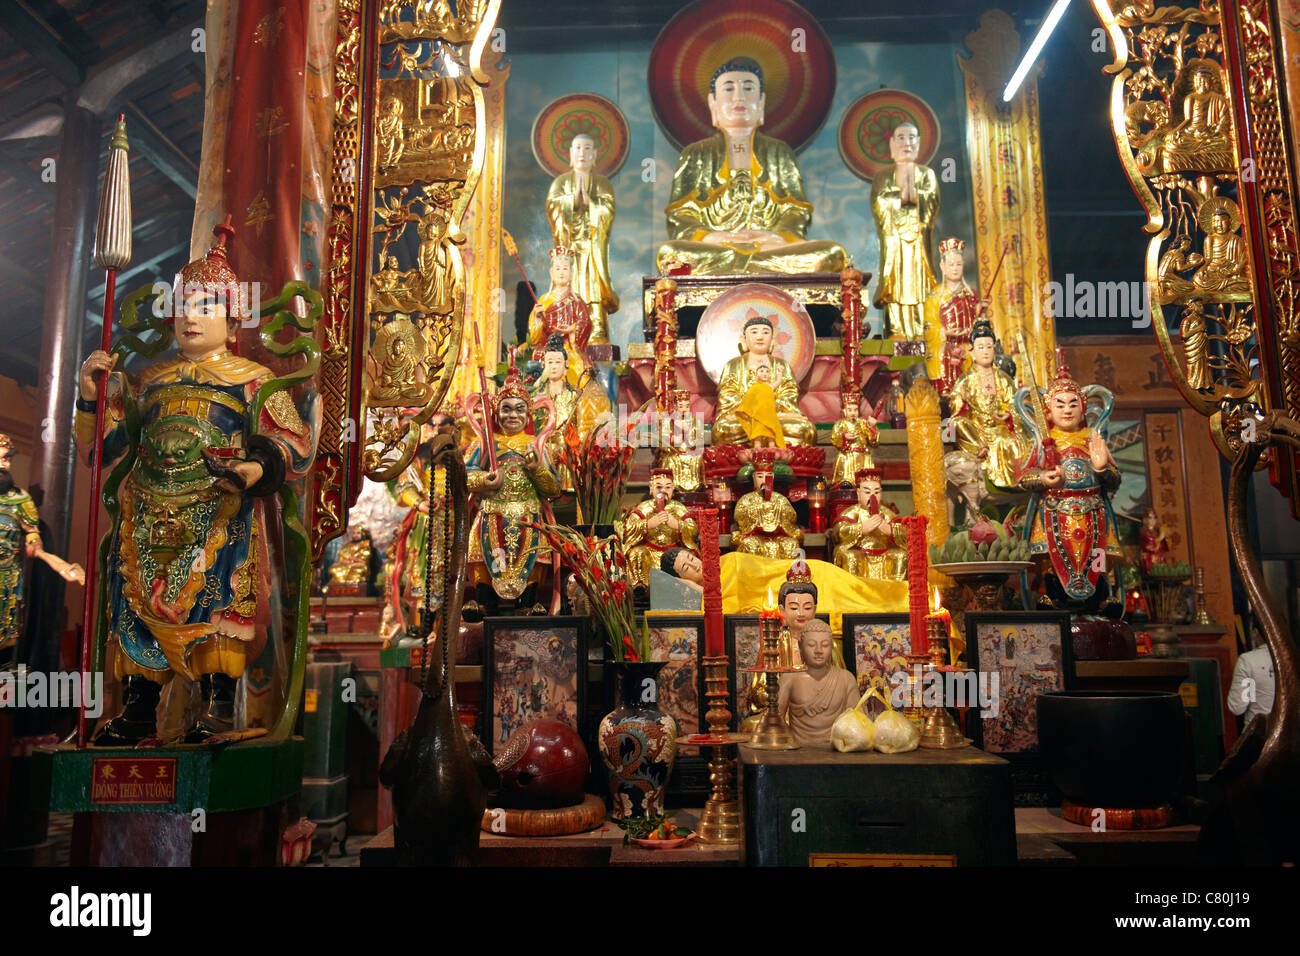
point(218, 717)
point(139, 716)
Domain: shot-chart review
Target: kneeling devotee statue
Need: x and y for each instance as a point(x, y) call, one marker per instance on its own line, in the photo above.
point(737, 203)
point(655, 526)
point(811, 700)
point(758, 398)
point(766, 523)
point(868, 542)
point(189, 569)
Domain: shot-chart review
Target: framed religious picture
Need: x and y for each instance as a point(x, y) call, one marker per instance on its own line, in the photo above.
point(679, 640)
point(1016, 656)
point(742, 650)
point(875, 649)
point(533, 668)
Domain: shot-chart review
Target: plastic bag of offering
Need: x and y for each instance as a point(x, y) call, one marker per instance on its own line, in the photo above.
point(895, 734)
point(853, 729)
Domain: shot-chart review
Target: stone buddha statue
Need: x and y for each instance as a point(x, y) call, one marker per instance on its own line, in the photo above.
point(904, 203)
point(738, 204)
point(580, 209)
point(868, 542)
point(758, 397)
point(811, 700)
point(766, 523)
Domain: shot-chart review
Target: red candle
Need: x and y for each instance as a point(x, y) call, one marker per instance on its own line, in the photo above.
point(710, 558)
point(918, 567)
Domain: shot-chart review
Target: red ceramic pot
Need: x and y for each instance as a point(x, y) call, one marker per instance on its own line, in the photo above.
point(543, 766)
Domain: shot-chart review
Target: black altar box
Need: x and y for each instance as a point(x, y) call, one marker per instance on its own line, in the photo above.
point(817, 807)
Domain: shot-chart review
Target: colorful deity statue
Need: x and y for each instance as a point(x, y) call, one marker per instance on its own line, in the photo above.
point(951, 309)
point(681, 444)
point(758, 397)
point(511, 476)
point(656, 525)
point(766, 523)
point(580, 209)
point(20, 538)
point(210, 435)
point(561, 311)
point(868, 541)
point(904, 202)
point(1154, 539)
point(573, 412)
point(981, 402)
point(1071, 474)
point(854, 437)
point(738, 203)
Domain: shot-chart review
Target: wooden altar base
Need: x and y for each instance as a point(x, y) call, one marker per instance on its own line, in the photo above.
point(139, 807)
point(817, 807)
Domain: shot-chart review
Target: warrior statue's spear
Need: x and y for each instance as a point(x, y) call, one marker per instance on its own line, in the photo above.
point(112, 252)
point(513, 250)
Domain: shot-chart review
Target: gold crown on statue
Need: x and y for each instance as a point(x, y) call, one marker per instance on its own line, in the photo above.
point(661, 473)
point(514, 384)
point(213, 273)
point(764, 459)
point(561, 252)
point(681, 394)
point(799, 572)
point(951, 244)
point(868, 474)
point(1062, 381)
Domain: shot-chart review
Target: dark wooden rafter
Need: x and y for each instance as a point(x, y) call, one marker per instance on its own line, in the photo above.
point(45, 44)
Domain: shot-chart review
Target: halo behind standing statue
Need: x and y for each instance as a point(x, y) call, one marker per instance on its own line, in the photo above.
point(798, 67)
point(870, 121)
point(580, 114)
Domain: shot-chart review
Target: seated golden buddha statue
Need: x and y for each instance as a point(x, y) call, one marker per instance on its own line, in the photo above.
point(354, 560)
point(981, 403)
point(766, 524)
point(737, 203)
point(868, 542)
point(1222, 273)
point(1201, 138)
point(758, 398)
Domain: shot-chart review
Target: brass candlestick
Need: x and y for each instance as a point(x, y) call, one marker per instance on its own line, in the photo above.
point(1202, 612)
point(721, 823)
point(938, 729)
point(772, 733)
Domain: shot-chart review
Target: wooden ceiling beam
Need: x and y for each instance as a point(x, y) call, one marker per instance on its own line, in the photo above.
point(45, 44)
point(165, 156)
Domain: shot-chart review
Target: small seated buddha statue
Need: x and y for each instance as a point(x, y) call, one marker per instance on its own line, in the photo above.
point(1222, 273)
point(812, 699)
point(355, 558)
point(758, 398)
point(766, 524)
point(738, 203)
point(868, 542)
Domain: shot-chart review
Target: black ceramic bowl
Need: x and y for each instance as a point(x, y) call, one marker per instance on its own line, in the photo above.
point(1121, 749)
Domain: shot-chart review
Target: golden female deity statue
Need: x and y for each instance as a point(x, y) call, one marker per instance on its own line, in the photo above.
point(580, 209)
point(981, 403)
point(904, 202)
point(854, 436)
point(951, 309)
point(738, 203)
point(561, 311)
point(655, 526)
point(758, 398)
point(766, 524)
point(868, 541)
point(1195, 340)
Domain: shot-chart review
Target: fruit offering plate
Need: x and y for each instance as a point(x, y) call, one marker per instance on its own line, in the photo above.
point(957, 569)
point(672, 844)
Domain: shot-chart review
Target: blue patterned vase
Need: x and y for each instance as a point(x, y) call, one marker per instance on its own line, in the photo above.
point(638, 742)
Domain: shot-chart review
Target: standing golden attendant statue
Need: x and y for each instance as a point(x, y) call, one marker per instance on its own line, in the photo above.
point(904, 202)
point(580, 209)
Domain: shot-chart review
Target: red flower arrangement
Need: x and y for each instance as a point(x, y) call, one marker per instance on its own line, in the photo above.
point(600, 467)
point(600, 567)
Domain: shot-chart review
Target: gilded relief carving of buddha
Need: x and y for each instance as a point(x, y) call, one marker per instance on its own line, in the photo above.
point(738, 204)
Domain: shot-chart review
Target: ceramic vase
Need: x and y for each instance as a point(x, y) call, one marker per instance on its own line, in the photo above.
point(638, 742)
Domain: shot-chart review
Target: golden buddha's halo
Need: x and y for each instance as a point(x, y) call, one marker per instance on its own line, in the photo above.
point(1205, 215)
point(565, 118)
point(799, 83)
point(720, 328)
